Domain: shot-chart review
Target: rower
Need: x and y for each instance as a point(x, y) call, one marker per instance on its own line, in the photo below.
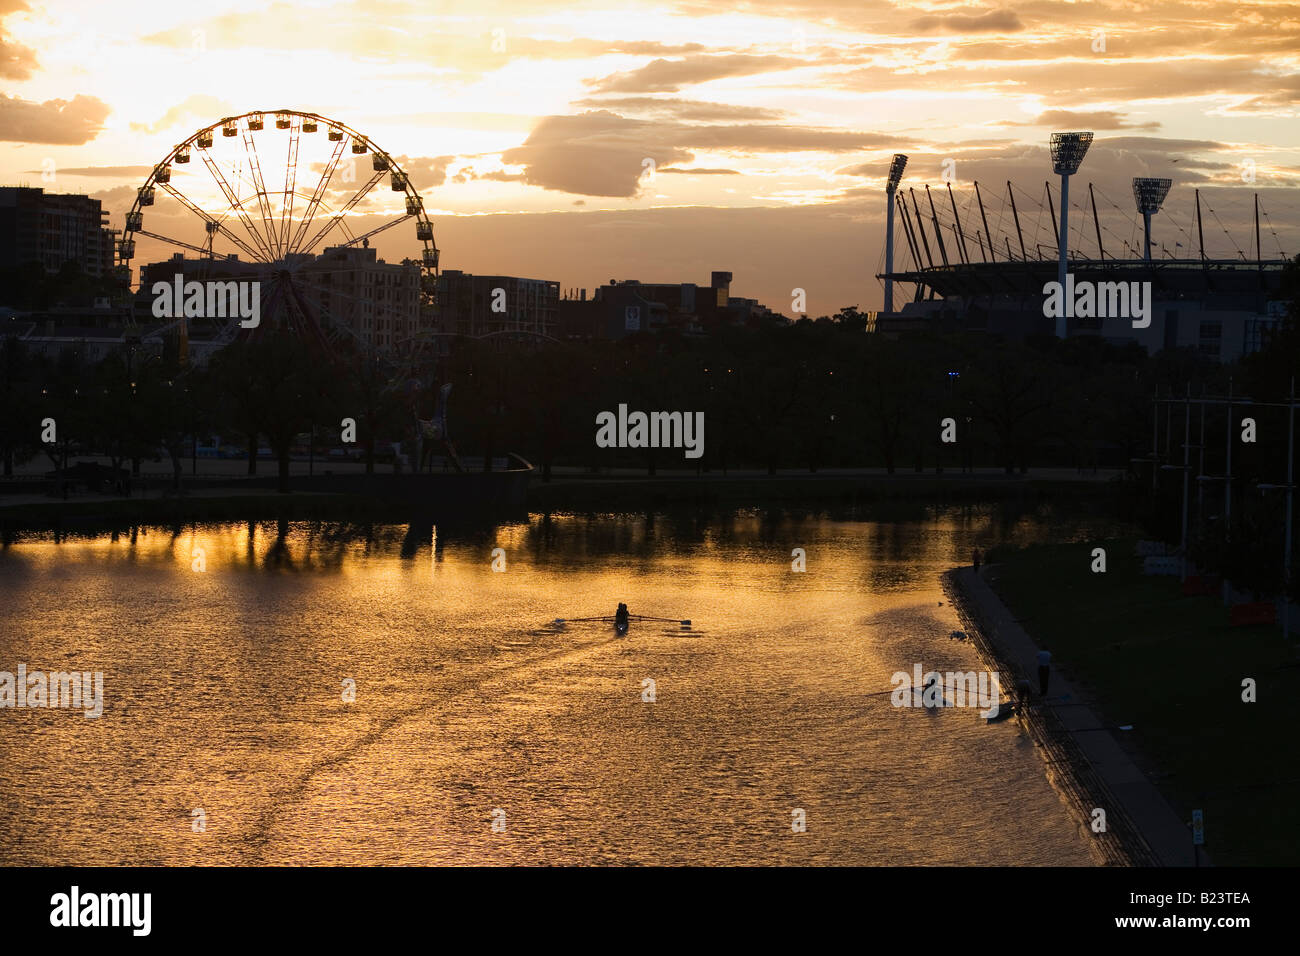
point(621, 615)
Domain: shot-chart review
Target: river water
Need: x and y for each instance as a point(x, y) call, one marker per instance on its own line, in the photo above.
point(482, 734)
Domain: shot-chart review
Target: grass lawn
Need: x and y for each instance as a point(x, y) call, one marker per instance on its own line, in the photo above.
point(1171, 666)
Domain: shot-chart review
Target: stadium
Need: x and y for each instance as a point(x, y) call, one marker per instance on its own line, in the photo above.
point(965, 274)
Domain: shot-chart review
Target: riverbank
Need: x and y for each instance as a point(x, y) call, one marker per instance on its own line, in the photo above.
point(511, 495)
point(1140, 653)
point(1084, 760)
point(622, 491)
point(448, 497)
point(91, 512)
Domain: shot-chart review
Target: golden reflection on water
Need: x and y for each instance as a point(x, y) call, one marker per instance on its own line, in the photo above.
point(224, 691)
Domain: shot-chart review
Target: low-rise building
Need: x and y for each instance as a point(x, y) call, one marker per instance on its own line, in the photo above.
point(377, 302)
point(624, 307)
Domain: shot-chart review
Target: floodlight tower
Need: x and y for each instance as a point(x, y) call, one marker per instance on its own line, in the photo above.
point(1068, 150)
point(896, 167)
point(1149, 195)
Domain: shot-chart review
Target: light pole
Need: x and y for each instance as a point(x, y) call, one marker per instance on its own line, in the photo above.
point(1068, 150)
point(896, 167)
point(1230, 401)
point(1289, 487)
point(1149, 194)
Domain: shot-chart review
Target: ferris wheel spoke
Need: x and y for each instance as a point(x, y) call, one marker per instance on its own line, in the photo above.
point(337, 323)
point(263, 201)
point(209, 218)
point(235, 203)
point(377, 307)
point(318, 194)
point(348, 207)
point(378, 229)
point(290, 181)
point(175, 242)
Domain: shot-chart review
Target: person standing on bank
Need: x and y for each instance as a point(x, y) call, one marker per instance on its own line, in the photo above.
point(1044, 670)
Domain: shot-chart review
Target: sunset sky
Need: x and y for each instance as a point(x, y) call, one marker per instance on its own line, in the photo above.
point(527, 127)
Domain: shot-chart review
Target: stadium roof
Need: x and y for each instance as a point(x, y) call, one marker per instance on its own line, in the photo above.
point(1170, 278)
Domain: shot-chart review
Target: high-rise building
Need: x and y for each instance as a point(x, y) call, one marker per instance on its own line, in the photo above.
point(378, 301)
point(52, 229)
point(483, 305)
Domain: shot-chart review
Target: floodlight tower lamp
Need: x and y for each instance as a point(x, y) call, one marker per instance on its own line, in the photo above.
point(896, 167)
point(1149, 194)
point(1068, 150)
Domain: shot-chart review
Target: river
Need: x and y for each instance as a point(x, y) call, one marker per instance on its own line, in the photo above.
point(479, 732)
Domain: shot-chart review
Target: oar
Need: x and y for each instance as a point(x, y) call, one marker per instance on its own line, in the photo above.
point(571, 620)
point(671, 620)
point(631, 617)
point(882, 693)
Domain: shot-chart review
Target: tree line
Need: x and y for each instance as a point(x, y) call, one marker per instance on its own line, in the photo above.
point(813, 394)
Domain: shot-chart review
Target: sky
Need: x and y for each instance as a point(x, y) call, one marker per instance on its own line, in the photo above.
point(593, 139)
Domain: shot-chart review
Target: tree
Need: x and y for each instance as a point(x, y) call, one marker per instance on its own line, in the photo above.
point(239, 389)
point(18, 392)
point(66, 401)
point(367, 395)
point(296, 386)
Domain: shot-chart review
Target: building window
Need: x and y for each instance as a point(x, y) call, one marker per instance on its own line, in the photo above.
point(1256, 335)
point(1211, 339)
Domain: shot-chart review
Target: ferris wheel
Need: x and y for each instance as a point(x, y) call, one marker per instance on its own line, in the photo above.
point(296, 234)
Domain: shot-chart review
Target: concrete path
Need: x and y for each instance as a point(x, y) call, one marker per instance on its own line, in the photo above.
point(1169, 837)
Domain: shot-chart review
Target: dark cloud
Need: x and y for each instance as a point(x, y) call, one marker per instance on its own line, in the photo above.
point(593, 154)
point(1284, 96)
point(1095, 119)
point(668, 76)
point(753, 138)
point(649, 47)
point(16, 61)
point(600, 153)
point(57, 122)
point(995, 21)
point(425, 172)
point(1155, 144)
point(116, 202)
